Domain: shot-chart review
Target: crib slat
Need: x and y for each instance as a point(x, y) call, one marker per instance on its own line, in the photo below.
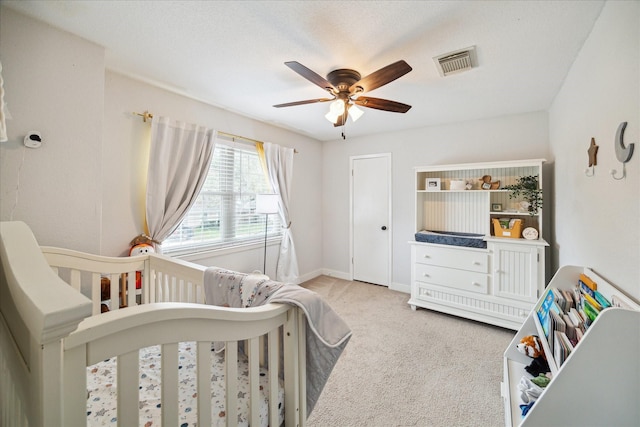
point(254, 381)
point(75, 279)
point(74, 386)
point(115, 292)
point(204, 384)
point(292, 369)
point(150, 293)
point(127, 378)
point(131, 288)
point(273, 353)
point(231, 382)
point(302, 365)
point(96, 293)
point(169, 384)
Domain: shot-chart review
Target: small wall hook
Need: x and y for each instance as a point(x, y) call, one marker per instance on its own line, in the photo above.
point(593, 158)
point(613, 173)
point(623, 153)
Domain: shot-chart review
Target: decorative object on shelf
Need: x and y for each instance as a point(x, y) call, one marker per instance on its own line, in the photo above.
point(593, 158)
point(432, 184)
point(266, 204)
point(527, 186)
point(530, 233)
point(457, 184)
point(487, 184)
point(496, 207)
point(507, 227)
point(623, 153)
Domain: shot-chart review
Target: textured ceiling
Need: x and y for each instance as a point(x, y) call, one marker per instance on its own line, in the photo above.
point(232, 54)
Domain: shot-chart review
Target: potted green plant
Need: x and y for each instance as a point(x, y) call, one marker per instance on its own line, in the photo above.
point(527, 188)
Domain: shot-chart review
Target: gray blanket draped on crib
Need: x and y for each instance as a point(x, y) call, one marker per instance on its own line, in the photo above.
point(327, 334)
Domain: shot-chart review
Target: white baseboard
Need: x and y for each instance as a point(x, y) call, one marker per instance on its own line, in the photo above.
point(400, 287)
point(337, 274)
point(308, 276)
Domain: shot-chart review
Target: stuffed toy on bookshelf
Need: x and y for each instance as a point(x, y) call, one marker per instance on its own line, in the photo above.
point(531, 345)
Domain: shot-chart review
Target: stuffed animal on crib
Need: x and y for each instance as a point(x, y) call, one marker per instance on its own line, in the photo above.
point(141, 245)
point(531, 345)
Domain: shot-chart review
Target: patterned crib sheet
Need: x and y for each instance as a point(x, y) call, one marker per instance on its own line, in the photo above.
point(102, 390)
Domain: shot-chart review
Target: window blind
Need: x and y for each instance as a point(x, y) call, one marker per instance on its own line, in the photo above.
point(224, 212)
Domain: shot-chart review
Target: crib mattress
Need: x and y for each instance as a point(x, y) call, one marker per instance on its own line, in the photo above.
point(102, 390)
point(451, 238)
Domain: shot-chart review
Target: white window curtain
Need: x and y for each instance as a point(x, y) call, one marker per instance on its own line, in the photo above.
point(179, 159)
point(280, 169)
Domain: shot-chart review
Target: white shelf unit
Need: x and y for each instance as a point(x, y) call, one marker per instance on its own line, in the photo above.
point(469, 211)
point(496, 285)
point(598, 384)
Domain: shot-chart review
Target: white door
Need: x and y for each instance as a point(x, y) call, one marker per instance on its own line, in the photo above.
point(371, 218)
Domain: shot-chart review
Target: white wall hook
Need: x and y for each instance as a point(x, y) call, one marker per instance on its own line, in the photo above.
point(623, 153)
point(613, 173)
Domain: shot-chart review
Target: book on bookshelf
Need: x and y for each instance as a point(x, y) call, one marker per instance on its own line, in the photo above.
point(565, 315)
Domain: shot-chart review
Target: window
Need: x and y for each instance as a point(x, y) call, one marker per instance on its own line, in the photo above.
point(223, 214)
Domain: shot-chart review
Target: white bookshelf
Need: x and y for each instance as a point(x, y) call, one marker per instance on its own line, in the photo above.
point(599, 382)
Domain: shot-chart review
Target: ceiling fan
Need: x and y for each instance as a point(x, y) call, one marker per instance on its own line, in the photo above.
point(346, 87)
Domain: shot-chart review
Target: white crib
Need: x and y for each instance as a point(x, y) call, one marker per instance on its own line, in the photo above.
point(51, 330)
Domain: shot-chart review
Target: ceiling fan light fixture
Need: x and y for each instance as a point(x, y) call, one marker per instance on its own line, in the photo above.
point(354, 112)
point(336, 109)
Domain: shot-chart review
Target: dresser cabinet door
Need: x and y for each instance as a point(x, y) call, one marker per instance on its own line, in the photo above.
point(516, 270)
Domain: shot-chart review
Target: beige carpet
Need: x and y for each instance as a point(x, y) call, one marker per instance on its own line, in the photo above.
point(408, 368)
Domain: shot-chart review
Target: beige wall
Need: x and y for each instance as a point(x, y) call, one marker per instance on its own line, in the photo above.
point(597, 219)
point(54, 84)
point(84, 189)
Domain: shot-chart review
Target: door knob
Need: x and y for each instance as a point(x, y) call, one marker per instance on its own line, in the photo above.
point(384, 227)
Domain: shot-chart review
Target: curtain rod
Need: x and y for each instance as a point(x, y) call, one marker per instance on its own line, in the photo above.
point(148, 116)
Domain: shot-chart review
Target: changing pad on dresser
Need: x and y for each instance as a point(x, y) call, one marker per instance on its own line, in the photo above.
point(452, 238)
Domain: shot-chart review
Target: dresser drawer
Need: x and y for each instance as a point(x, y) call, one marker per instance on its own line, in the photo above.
point(465, 259)
point(452, 278)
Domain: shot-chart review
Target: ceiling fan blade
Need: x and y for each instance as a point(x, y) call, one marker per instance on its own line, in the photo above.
point(382, 104)
point(381, 77)
point(310, 75)
point(308, 101)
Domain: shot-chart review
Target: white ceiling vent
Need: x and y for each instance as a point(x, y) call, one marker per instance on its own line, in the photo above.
point(456, 62)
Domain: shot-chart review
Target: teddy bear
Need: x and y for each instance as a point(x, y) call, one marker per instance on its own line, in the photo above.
point(487, 184)
point(531, 345)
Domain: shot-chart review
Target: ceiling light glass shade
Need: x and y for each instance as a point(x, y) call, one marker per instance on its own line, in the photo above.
point(336, 109)
point(355, 113)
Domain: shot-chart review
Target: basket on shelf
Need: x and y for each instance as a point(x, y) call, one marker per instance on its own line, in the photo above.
point(513, 229)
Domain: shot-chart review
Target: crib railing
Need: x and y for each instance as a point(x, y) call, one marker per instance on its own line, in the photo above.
point(121, 333)
point(161, 279)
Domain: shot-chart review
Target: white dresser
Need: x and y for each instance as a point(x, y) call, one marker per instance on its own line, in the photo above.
point(498, 284)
